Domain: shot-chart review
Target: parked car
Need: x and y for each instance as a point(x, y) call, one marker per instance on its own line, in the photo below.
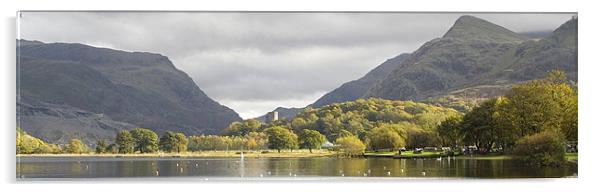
point(469, 150)
point(417, 151)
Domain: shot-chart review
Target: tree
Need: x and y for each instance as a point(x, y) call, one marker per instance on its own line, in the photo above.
point(208, 142)
point(243, 128)
point(173, 142)
point(256, 140)
point(113, 148)
point(343, 133)
point(548, 104)
point(237, 143)
point(311, 139)
point(386, 137)
point(75, 146)
point(484, 128)
point(169, 142)
point(569, 121)
point(182, 142)
point(421, 138)
point(298, 124)
point(350, 146)
point(101, 146)
point(449, 131)
point(358, 117)
point(541, 149)
point(146, 141)
point(125, 142)
point(48, 148)
point(281, 138)
point(27, 144)
point(542, 105)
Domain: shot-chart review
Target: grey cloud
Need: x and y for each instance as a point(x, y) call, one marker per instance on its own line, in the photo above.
point(254, 62)
point(290, 74)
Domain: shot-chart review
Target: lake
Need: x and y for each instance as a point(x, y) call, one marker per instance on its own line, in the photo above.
point(279, 168)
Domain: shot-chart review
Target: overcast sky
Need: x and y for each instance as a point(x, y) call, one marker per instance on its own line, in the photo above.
point(255, 62)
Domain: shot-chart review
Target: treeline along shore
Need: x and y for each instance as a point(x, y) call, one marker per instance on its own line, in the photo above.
point(535, 122)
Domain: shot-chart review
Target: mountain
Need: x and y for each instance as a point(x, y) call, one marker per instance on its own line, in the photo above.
point(355, 89)
point(475, 52)
point(471, 28)
point(59, 123)
point(74, 89)
point(349, 91)
point(532, 59)
point(537, 34)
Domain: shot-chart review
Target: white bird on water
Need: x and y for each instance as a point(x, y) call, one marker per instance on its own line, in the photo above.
point(157, 173)
point(388, 173)
point(423, 173)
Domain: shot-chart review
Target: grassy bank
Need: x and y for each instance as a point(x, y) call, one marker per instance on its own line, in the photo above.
point(282, 154)
point(223, 154)
point(409, 154)
point(485, 157)
point(404, 154)
point(571, 156)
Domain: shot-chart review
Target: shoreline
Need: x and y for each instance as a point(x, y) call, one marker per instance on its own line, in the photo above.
point(572, 157)
point(216, 154)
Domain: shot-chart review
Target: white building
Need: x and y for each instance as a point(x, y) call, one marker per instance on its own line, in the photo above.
point(271, 116)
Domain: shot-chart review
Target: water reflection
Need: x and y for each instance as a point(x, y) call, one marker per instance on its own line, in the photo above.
point(59, 167)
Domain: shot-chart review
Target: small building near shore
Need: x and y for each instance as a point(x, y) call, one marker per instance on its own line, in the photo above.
point(327, 145)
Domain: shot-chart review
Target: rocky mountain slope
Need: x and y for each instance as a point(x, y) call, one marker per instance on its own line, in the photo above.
point(355, 89)
point(475, 52)
point(111, 90)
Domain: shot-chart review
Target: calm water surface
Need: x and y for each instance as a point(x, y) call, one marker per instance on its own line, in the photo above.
point(109, 167)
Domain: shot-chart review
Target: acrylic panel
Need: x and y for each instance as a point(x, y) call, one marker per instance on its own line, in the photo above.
point(149, 95)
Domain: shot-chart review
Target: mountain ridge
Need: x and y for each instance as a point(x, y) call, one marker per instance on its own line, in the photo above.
point(139, 88)
point(457, 61)
point(474, 28)
point(355, 89)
